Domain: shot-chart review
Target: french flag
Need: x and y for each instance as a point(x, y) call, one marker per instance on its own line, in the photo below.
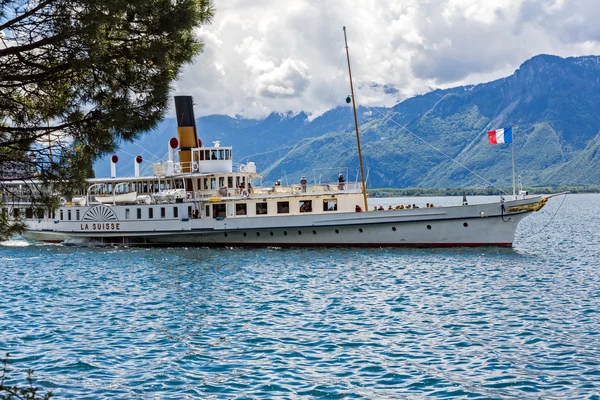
point(500, 136)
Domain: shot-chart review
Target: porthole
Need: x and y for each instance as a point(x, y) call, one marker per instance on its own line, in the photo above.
point(465, 224)
point(299, 232)
point(314, 232)
point(428, 226)
point(225, 234)
point(337, 231)
point(394, 228)
point(244, 233)
point(271, 233)
point(257, 233)
point(284, 233)
point(360, 230)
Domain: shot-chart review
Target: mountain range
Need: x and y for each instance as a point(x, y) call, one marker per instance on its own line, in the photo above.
point(437, 140)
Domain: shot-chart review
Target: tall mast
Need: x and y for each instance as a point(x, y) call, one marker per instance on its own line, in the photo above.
point(362, 172)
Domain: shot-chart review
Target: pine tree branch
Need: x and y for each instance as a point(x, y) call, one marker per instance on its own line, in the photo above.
point(29, 13)
point(12, 50)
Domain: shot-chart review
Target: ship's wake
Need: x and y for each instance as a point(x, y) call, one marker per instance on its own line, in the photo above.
point(15, 243)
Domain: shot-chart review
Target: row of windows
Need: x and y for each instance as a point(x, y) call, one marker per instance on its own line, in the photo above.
point(214, 183)
point(163, 213)
point(29, 212)
point(283, 207)
point(221, 154)
point(141, 187)
point(211, 183)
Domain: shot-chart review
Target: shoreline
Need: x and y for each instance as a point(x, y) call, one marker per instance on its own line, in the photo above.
point(431, 192)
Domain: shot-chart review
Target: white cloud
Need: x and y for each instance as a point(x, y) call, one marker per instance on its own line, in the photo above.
point(290, 78)
point(265, 56)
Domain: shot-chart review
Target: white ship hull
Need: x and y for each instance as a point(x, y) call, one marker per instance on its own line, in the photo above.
point(473, 225)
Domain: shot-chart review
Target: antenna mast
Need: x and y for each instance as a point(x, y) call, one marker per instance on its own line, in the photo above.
point(362, 173)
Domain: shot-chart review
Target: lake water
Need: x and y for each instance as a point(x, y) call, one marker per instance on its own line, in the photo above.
point(107, 323)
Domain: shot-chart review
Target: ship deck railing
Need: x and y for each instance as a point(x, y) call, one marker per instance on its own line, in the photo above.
point(278, 190)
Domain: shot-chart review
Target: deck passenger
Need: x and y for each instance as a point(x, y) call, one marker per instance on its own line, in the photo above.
point(303, 183)
point(358, 208)
point(276, 185)
point(243, 191)
point(341, 181)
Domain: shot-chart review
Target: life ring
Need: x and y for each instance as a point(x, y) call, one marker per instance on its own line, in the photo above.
point(177, 168)
point(195, 167)
point(63, 201)
point(245, 193)
point(188, 196)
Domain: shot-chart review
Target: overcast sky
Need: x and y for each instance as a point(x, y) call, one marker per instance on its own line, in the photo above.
point(262, 56)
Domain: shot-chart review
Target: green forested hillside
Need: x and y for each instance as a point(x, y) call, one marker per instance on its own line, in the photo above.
point(552, 102)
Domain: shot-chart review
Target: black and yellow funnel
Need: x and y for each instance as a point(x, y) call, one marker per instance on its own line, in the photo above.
point(186, 130)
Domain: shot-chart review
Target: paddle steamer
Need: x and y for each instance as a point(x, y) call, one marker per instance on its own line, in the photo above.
point(205, 199)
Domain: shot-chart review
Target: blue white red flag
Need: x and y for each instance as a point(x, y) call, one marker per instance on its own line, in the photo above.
point(500, 135)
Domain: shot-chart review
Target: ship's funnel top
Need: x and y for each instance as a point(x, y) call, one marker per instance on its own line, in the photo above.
point(186, 130)
point(184, 109)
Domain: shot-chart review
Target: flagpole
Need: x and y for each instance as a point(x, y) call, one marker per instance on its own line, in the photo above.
point(513, 160)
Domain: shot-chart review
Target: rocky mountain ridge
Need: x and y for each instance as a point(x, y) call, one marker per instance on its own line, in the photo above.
point(431, 140)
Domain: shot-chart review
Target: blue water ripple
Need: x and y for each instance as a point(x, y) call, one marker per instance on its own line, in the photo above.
point(107, 323)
